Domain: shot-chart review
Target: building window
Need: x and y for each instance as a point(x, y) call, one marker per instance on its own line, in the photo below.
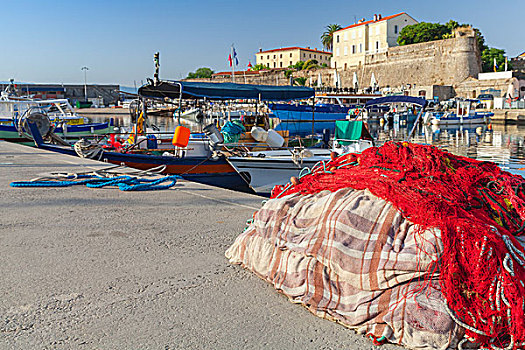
point(396, 29)
point(291, 63)
point(274, 56)
point(377, 45)
point(315, 56)
point(290, 54)
point(281, 64)
point(353, 48)
point(281, 56)
point(268, 56)
point(274, 64)
point(361, 47)
point(337, 38)
point(345, 50)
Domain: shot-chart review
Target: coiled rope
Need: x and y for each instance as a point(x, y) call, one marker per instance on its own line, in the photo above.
point(129, 181)
point(124, 183)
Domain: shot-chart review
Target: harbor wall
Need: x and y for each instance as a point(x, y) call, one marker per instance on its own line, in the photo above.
point(442, 62)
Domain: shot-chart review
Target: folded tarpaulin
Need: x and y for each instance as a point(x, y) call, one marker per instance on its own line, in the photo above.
point(347, 131)
point(359, 264)
point(224, 91)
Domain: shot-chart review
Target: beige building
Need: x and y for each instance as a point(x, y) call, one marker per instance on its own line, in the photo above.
point(287, 56)
point(353, 43)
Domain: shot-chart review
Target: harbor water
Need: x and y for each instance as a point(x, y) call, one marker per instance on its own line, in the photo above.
point(502, 144)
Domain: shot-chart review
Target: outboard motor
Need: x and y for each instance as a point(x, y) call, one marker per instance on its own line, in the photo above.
point(216, 138)
point(37, 116)
point(200, 117)
point(326, 138)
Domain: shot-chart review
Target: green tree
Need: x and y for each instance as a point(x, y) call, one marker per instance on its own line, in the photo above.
point(259, 67)
point(301, 81)
point(310, 64)
point(451, 25)
point(422, 32)
point(328, 35)
point(200, 73)
point(481, 40)
point(297, 66)
point(487, 59)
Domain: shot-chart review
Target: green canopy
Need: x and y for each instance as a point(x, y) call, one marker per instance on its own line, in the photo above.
point(350, 131)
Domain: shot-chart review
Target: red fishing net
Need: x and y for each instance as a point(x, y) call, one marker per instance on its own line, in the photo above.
point(480, 211)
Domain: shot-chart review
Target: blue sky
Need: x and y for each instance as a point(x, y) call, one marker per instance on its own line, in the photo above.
point(48, 42)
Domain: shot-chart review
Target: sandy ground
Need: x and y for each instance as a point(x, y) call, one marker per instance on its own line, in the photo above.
point(104, 269)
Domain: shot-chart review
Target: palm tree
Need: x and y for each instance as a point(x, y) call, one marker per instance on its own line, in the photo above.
point(327, 37)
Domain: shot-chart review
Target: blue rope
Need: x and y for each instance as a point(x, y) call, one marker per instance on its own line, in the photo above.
point(104, 181)
point(124, 183)
point(64, 183)
point(151, 185)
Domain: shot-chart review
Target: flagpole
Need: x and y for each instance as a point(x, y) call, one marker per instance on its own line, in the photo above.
point(233, 65)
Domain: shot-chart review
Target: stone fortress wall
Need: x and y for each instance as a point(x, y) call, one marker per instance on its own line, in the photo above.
point(443, 62)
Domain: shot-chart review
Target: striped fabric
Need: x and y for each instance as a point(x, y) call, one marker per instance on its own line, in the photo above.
point(351, 257)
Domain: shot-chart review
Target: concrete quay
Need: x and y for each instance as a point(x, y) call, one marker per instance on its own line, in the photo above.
point(86, 112)
point(103, 269)
point(508, 116)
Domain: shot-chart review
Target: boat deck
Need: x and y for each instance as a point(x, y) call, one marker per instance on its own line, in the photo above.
point(105, 269)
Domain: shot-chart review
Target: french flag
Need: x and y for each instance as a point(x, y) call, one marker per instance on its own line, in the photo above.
point(233, 57)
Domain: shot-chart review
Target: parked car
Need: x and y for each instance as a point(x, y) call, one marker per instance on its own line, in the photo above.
point(486, 97)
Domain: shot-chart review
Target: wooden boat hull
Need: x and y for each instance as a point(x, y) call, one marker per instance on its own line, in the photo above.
point(9, 133)
point(207, 170)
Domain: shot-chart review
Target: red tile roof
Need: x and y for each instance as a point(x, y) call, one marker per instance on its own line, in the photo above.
point(371, 21)
point(296, 48)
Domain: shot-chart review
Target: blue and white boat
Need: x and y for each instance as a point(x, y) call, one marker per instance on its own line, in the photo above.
point(305, 120)
point(465, 114)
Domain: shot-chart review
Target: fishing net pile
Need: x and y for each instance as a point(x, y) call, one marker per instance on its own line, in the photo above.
point(406, 243)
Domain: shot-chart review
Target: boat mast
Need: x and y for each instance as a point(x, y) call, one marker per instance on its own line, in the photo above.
point(313, 117)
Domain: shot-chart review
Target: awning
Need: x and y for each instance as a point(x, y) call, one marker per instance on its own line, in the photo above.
point(224, 91)
point(396, 99)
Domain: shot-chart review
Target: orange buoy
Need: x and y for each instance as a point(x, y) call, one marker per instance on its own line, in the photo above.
point(334, 155)
point(295, 181)
point(181, 137)
point(352, 158)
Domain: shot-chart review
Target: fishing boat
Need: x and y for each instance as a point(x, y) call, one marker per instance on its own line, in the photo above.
point(308, 119)
point(465, 114)
point(66, 123)
point(302, 120)
point(195, 160)
point(10, 132)
point(267, 169)
point(195, 163)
